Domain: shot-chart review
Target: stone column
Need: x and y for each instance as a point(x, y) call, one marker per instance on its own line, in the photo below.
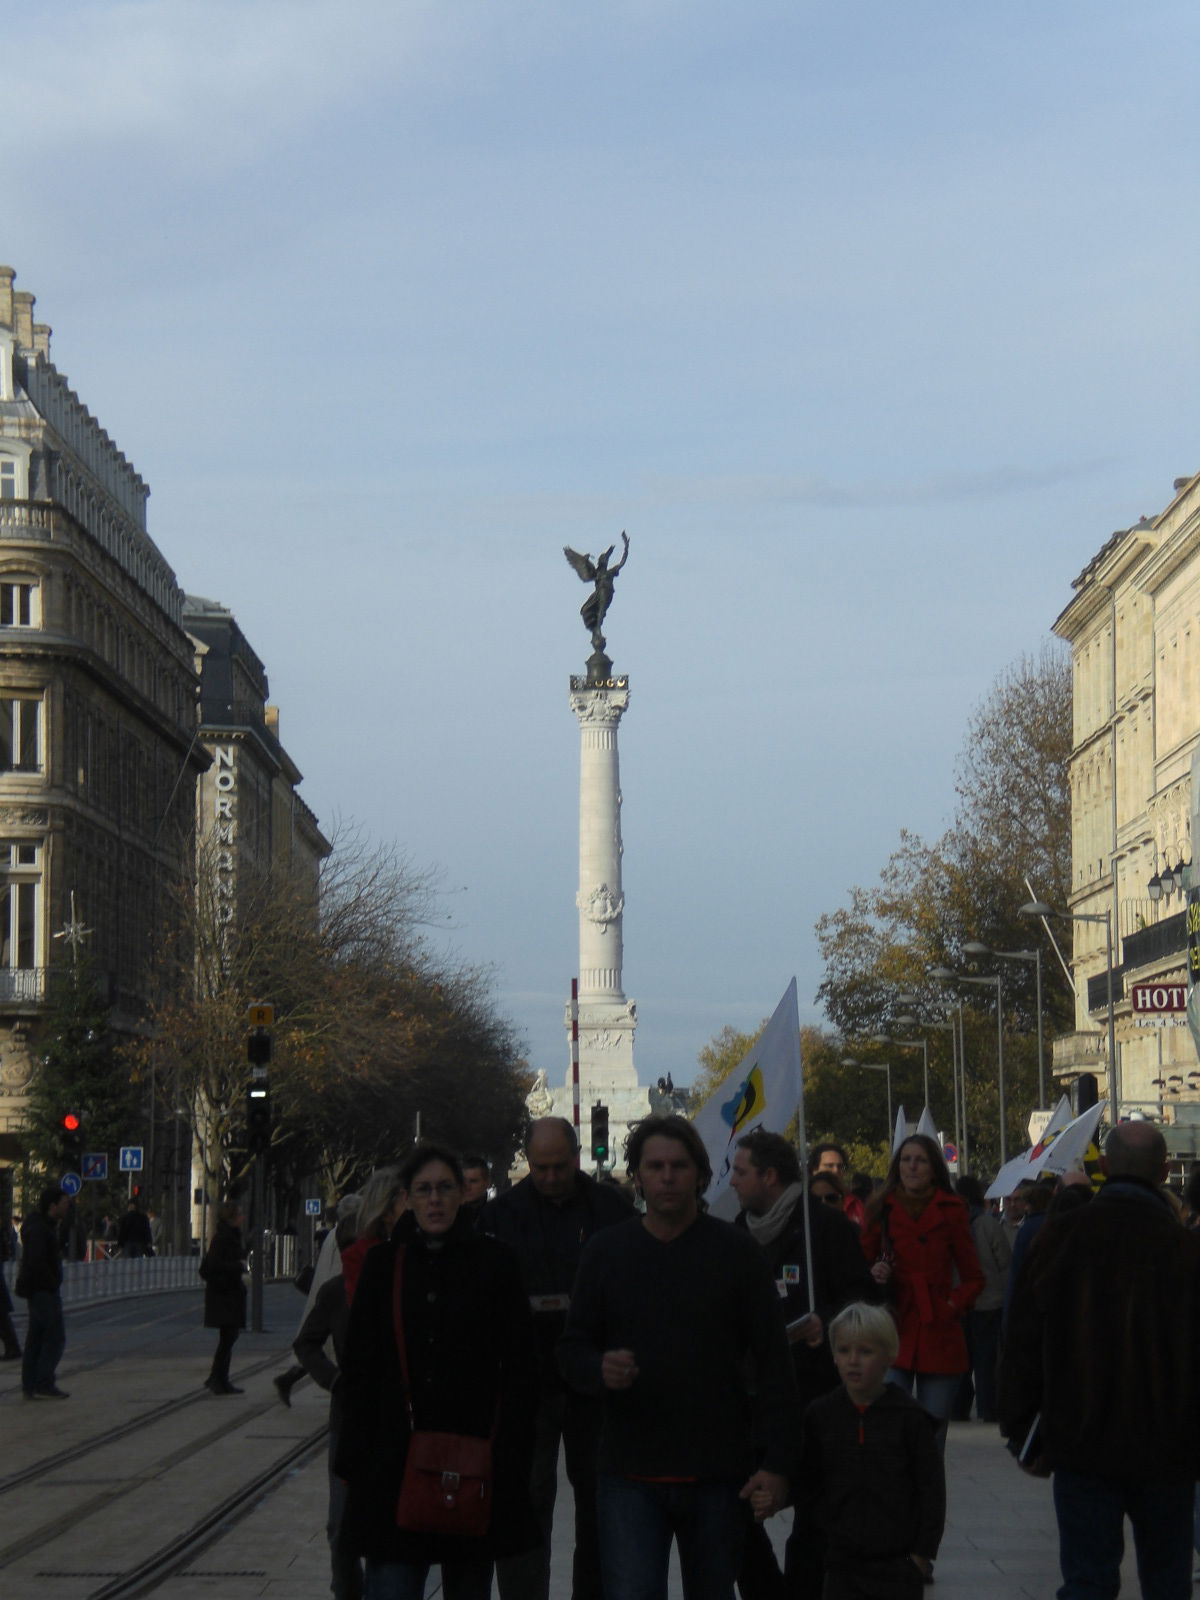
point(607, 1020)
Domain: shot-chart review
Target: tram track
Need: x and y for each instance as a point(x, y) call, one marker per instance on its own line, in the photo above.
point(124, 1430)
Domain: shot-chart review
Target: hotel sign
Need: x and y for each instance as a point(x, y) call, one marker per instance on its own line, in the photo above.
point(1158, 1004)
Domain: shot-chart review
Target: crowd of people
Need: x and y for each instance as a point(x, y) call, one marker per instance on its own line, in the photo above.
point(698, 1377)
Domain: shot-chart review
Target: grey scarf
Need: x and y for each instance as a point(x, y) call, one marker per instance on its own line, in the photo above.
point(766, 1229)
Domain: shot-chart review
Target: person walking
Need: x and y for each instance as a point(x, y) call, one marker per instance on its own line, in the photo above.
point(676, 1324)
point(917, 1239)
point(134, 1237)
point(1098, 1377)
point(225, 1293)
point(439, 1340)
point(8, 1334)
point(994, 1249)
point(39, 1280)
point(547, 1220)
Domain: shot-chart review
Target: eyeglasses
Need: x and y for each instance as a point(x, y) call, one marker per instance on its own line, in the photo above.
point(427, 1191)
point(830, 1199)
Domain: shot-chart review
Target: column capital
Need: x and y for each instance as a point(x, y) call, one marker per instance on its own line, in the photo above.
point(599, 703)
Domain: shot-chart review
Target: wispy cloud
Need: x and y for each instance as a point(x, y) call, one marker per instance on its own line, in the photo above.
point(989, 483)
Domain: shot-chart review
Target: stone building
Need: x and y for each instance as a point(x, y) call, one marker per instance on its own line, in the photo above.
point(1134, 631)
point(248, 813)
point(98, 760)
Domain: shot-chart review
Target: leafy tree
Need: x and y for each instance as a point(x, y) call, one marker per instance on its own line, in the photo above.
point(370, 1030)
point(1011, 834)
point(81, 1069)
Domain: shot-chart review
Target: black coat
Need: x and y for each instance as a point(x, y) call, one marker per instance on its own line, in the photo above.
point(548, 1238)
point(469, 1339)
point(840, 1276)
point(1102, 1335)
point(221, 1269)
point(41, 1264)
point(326, 1320)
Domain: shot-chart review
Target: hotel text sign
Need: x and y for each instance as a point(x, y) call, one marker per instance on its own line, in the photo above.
point(1158, 1003)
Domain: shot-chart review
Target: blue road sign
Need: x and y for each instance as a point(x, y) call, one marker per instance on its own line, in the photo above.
point(312, 1208)
point(131, 1158)
point(70, 1183)
point(95, 1166)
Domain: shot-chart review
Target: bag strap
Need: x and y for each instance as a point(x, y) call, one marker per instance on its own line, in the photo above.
point(398, 1329)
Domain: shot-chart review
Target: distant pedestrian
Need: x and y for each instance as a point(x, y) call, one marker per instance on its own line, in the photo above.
point(918, 1239)
point(870, 1463)
point(323, 1327)
point(225, 1293)
point(993, 1246)
point(8, 1334)
point(477, 1181)
point(40, 1282)
point(134, 1237)
point(328, 1265)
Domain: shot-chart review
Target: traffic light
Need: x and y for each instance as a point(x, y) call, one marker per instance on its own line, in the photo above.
point(600, 1134)
point(258, 1047)
point(258, 1117)
point(70, 1139)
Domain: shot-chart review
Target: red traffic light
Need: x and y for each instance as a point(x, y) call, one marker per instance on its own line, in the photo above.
point(71, 1122)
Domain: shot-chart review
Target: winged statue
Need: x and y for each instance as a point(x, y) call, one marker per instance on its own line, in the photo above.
point(602, 577)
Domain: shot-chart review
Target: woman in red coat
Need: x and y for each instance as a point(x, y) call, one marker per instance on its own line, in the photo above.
point(917, 1237)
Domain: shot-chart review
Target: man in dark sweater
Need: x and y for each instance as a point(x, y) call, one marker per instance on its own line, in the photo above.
point(676, 1324)
point(1100, 1354)
point(39, 1281)
point(547, 1219)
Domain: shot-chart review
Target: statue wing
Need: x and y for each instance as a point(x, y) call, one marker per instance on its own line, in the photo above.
point(582, 564)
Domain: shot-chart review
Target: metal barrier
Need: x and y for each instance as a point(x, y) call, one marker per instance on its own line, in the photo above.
point(126, 1275)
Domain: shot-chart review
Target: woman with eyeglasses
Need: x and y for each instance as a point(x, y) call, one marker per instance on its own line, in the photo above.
point(458, 1359)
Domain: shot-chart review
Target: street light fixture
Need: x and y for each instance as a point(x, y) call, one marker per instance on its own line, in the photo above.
point(947, 975)
point(871, 1066)
point(908, 1044)
point(976, 948)
point(1041, 909)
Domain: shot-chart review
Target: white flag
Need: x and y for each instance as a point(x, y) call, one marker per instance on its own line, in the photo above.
point(764, 1090)
point(926, 1125)
point(1059, 1149)
point(901, 1130)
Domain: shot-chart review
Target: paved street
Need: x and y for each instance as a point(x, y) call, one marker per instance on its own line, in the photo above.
point(121, 1359)
point(1000, 1542)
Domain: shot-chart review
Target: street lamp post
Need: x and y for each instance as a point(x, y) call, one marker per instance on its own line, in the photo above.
point(975, 948)
point(908, 1044)
point(1040, 908)
point(871, 1066)
point(946, 975)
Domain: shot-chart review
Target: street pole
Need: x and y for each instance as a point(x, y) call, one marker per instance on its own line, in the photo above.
point(258, 1233)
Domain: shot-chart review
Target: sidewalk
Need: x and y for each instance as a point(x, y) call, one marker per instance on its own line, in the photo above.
point(1000, 1541)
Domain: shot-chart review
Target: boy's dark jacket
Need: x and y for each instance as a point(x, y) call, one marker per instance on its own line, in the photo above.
point(875, 1477)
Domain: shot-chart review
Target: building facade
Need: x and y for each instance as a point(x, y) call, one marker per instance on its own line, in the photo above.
point(249, 816)
point(1134, 631)
point(98, 756)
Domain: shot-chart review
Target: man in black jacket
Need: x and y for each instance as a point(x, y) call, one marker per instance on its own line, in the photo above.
point(767, 1181)
point(1099, 1371)
point(676, 1324)
point(547, 1219)
point(39, 1281)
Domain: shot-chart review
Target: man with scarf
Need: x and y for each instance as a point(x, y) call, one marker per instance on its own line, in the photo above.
point(767, 1180)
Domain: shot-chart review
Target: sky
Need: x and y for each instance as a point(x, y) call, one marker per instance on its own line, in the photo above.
point(868, 324)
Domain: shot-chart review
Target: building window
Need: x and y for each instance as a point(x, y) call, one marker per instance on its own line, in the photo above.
point(18, 603)
point(20, 915)
point(20, 733)
point(8, 478)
